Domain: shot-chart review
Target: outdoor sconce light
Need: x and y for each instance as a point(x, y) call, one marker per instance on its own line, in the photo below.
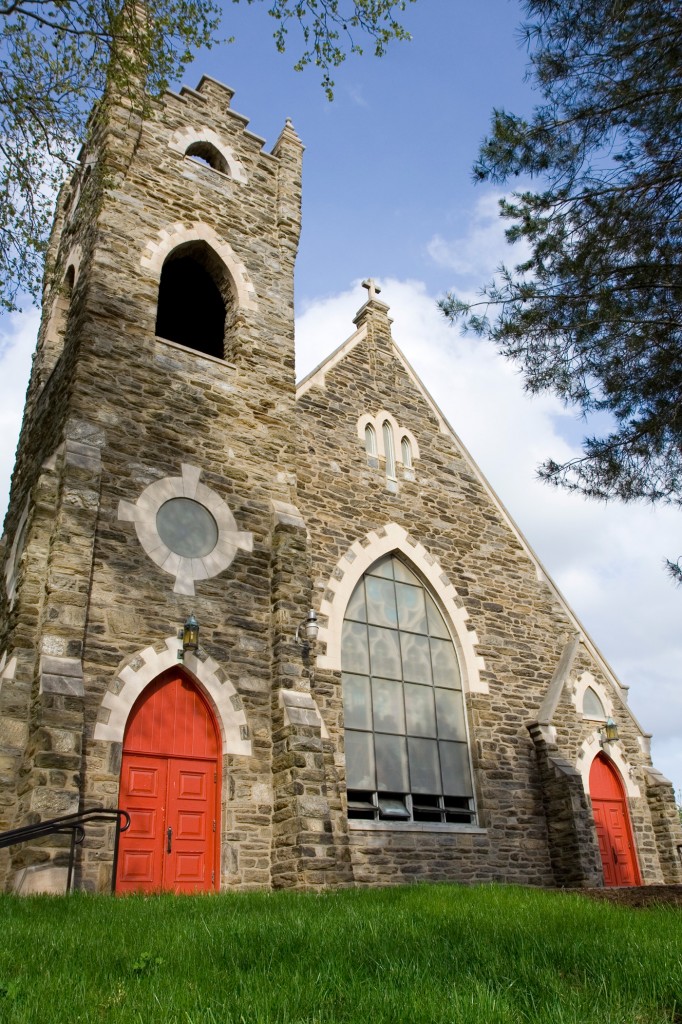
point(609, 733)
point(307, 631)
point(189, 634)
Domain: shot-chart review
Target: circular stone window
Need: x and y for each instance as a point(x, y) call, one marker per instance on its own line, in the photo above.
point(186, 527)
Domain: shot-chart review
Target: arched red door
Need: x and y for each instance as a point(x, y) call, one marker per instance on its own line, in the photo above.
point(612, 822)
point(170, 786)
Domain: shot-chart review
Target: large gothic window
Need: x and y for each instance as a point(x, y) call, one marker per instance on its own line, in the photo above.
point(407, 757)
point(193, 300)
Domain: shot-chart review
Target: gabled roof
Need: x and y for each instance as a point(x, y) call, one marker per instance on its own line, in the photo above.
point(316, 379)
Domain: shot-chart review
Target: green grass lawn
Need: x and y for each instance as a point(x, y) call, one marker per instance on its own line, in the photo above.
point(424, 954)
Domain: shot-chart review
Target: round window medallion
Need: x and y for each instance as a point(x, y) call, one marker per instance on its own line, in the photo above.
point(187, 527)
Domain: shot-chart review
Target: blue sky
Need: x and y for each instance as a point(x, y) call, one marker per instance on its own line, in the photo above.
point(388, 193)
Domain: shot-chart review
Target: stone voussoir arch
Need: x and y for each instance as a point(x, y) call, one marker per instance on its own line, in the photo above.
point(586, 681)
point(180, 233)
point(186, 137)
point(357, 560)
point(143, 667)
point(589, 750)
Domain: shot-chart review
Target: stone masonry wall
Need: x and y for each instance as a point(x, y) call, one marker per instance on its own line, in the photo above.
point(518, 622)
point(153, 406)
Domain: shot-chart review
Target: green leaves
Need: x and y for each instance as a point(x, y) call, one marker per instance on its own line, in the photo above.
point(595, 314)
point(58, 56)
point(330, 29)
point(55, 59)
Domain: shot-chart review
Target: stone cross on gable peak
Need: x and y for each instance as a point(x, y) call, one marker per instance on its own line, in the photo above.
point(372, 287)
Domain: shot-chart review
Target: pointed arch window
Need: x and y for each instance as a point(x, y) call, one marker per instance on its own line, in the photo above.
point(370, 440)
point(195, 305)
point(407, 755)
point(406, 452)
point(389, 449)
point(592, 705)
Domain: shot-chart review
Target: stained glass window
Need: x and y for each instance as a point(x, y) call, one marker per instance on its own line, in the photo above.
point(407, 757)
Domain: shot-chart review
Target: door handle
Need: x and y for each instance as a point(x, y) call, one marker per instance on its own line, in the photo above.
point(169, 838)
point(613, 850)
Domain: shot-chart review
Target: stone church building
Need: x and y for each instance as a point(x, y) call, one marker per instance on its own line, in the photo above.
point(449, 721)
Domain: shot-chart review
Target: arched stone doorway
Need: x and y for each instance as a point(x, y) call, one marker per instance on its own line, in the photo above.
point(170, 786)
point(612, 822)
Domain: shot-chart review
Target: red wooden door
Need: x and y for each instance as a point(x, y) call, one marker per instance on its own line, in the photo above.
point(170, 788)
point(612, 821)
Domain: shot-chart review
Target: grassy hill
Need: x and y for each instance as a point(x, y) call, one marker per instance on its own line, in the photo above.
point(426, 954)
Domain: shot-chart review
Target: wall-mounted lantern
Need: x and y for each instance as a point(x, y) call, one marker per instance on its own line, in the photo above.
point(307, 631)
point(609, 732)
point(189, 634)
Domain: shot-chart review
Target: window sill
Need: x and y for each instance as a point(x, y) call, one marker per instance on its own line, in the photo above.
point(357, 825)
point(194, 352)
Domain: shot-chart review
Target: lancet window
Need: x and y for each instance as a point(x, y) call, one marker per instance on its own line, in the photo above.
point(407, 756)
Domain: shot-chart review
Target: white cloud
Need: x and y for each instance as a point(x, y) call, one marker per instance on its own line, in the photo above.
point(607, 560)
point(356, 95)
point(17, 342)
point(480, 247)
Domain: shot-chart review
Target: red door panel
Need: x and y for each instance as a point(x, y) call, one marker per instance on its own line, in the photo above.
point(191, 812)
point(169, 786)
point(603, 839)
point(143, 795)
point(612, 823)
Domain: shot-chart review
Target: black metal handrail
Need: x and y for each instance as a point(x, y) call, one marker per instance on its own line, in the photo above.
point(75, 824)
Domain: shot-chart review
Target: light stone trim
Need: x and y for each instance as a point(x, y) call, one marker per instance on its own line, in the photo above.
point(316, 377)
point(185, 137)
point(589, 750)
point(171, 237)
point(60, 307)
point(415, 826)
point(8, 668)
point(398, 434)
point(357, 560)
point(300, 709)
point(14, 557)
point(130, 682)
point(40, 879)
point(285, 514)
point(582, 684)
point(61, 675)
point(74, 259)
point(186, 570)
point(556, 686)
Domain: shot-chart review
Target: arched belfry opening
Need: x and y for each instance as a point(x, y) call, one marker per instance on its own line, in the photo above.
point(207, 153)
point(196, 302)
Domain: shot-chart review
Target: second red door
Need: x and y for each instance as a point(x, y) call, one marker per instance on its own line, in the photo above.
point(612, 823)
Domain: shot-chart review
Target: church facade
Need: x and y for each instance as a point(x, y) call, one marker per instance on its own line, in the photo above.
point(386, 686)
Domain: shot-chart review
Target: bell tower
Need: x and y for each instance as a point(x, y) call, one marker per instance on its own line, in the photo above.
point(155, 477)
